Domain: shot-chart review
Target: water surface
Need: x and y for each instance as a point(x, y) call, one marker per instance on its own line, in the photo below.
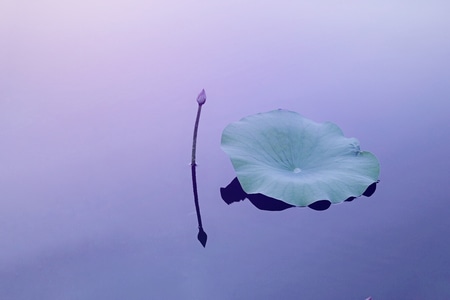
point(97, 105)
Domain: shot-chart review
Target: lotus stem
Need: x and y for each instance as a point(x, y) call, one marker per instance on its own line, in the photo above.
point(202, 237)
point(194, 139)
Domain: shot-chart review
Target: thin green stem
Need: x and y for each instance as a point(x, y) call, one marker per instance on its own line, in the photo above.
point(194, 139)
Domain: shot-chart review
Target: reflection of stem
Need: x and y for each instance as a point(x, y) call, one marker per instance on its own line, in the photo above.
point(201, 234)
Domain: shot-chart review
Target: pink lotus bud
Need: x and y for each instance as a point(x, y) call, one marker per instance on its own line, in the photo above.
point(201, 99)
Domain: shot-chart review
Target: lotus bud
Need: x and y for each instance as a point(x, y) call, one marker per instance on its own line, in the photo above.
point(201, 99)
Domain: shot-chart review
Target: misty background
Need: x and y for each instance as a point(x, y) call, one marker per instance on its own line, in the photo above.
point(97, 108)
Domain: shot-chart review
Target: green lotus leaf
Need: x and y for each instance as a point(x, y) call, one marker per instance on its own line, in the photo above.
point(285, 156)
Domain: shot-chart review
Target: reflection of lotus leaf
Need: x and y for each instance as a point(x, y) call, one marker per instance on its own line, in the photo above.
point(285, 156)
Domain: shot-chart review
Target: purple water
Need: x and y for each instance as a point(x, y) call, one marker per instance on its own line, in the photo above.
point(97, 108)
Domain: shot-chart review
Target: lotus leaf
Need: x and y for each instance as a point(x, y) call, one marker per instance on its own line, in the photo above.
point(283, 155)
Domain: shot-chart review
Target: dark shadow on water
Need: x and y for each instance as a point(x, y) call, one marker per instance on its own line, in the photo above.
point(234, 193)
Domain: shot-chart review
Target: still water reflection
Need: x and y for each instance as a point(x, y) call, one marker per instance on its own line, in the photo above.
point(96, 112)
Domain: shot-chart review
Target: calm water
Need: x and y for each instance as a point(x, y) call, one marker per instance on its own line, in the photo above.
point(97, 105)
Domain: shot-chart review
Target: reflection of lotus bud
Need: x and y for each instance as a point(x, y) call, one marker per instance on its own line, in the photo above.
point(201, 99)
